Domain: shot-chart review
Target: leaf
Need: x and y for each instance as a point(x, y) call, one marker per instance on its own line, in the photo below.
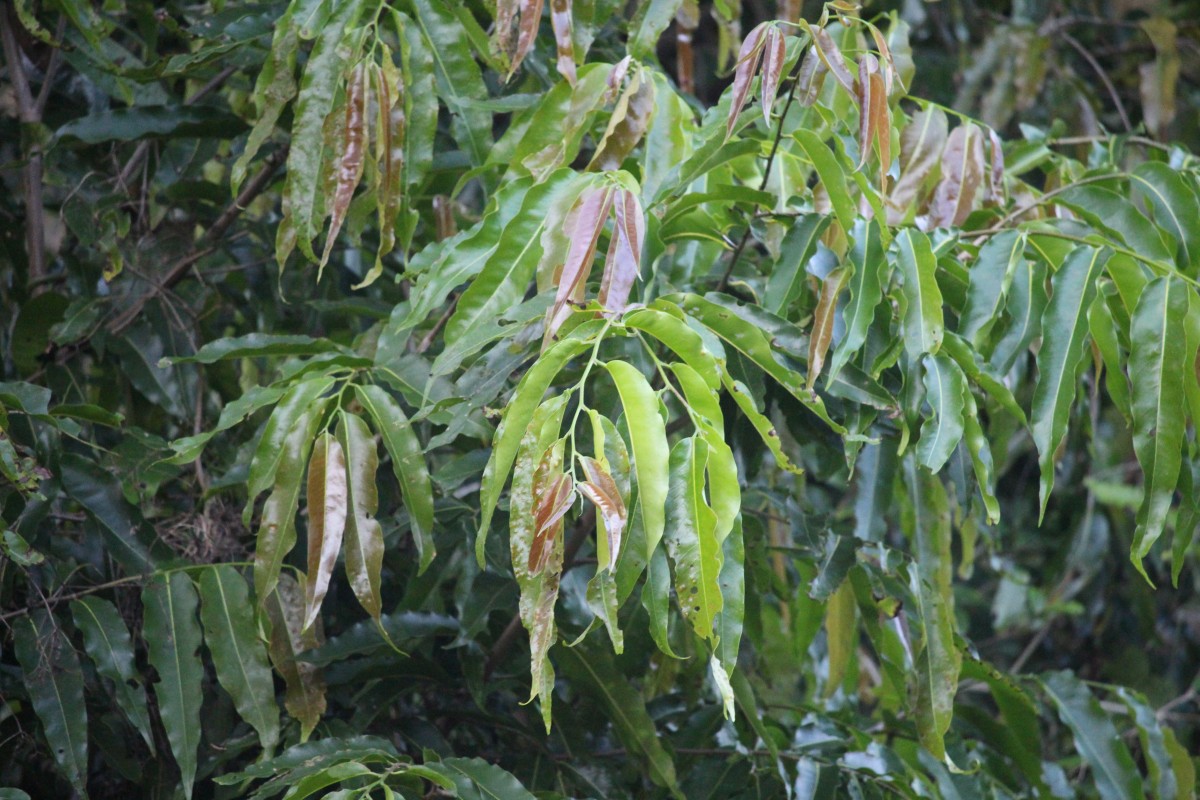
point(945, 386)
point(305, 697)
point(773, 54)
point(476, 779)
point(786, 282)
point(925, 518)
point(1116, 216)
point(1154, 745)
point(823, 316)
point(277, 528)
point(691, 539)
point(1158, 360)
point(408, 463)
point(596, 671)
point(681, 339)
point(127, 537)
point(833, 59)
point(318, 87)
point(364, 534)
point(271, 451)
point(869, 271)
point(351, 159)
point(623, 265)
point(109, 645)
point(628, 124)
point(921, 145)
point(602, 491)
point(54, 681)
point(1064, 327)
point(841, 634)
point(981, 456)
point(517, 415)
point(923, 325)
point(560, 21)
point(1025, 306)
point(1096, 739)
point(973, 367)
point(990, 276)
point(231, 631)
point(1103, 329)
point(328, 504)
point(832, 176)
point(1176, 207)
point(151, 122)
point(274, 88)
point(583, 227)
point(173, 639)
point(962, 175)
point(648, 440)
point(651, 19)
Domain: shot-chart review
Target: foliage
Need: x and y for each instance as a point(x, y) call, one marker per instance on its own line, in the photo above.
point(865, 442)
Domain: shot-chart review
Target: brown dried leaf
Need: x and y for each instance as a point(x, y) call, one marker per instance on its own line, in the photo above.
point(772, 69)
point(866, 119)
point(502, 33)
point(834, 61)
point(327, 507)
point(616, 79)
point(743, 75)
point(305, 682)
point(560, 21)
point(390, 126)
point(350, 165)
point(921, 144)
point(583, 227)
point(881, 122)
point(601, 489)
point(623, 263)
point(822, 330)
point(531, 20)
point(962, 174)
point(811, 78)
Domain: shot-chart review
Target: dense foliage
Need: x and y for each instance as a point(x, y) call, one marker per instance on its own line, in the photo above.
point(622, 399)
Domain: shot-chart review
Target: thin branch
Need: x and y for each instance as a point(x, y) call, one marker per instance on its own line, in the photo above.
point(27, 109)
point(1099, 70)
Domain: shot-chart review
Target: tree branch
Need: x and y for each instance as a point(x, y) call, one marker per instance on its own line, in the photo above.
point(29, 114)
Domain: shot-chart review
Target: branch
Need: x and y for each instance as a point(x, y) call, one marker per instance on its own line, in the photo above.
point(29, 114)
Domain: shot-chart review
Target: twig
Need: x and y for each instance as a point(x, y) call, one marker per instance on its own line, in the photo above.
point(1108, 84)
point(27, 110)
point(579, 534)
point(741, 245)
point(427, 340)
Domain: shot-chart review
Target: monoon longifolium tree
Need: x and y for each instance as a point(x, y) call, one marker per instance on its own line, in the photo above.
point(622, 399)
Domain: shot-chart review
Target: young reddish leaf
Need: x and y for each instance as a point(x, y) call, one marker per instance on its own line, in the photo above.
point(921, 144)
point(364, 534)
point(602, 490)
point(390, 127)
point(327, 508)
point(833, 59)
point(627, 125)
point(552, 498)
point(822, 331)
point(583, 227)
point(743, 75)
point(531, 20)
point(350, 165)
point(687, 19)
point(502, 32)
point(962, 174)
point(866, 120)
point(560, 20)
point(622, 265)
point(885, 52)
point(772, 69)
point(811, 78)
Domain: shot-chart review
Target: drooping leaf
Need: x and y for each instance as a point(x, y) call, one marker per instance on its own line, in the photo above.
point(869, 275)
point(923, 324)
point(749, 57)
point(271, 451)
point(963, 170)
point(788, 274)
point(690, 537)
point(623, 265)
point(240, 658)
point(109, 645)
point(54, 681)
point(351, 159)
point(945, 386)
point(584, 225)
point(560, 21)
point(648, 446)
point(364, 534)
point(1096, 739)
point(173, 639)
point(831, 174)
point(602, 491)
point(1176, 206)
point(328, 504)
point(823, 316)
point(990, 276)
point(305, 681)
point(476, 778)
point(921, 145)
point(773, 53)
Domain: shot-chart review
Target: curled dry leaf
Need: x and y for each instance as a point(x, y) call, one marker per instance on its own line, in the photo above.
point(327, 507)
point(350, 165)
point(560, 21)
point(601, 489)
point(622, 265)
point(687, 19)
point(962, 174)
point(582, 227)
point(553, 493)
point(743, 74)
point(772, 69)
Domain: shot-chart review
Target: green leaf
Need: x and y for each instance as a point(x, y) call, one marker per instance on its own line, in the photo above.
point(1061, 358)
point(364, 534)
point(598, 674)
point(841, 634)
point(786, 282)
point(257, 345)
point(869, 270)
point(305, 698)
point(189, 448)
point(691, 539)
point(147, 122)
point(110, 647)
point(277, 528)
point(173, 641)
point(976, 371)
point(238, 654)
point(271, 451)
point(458, 77)
point(1096, 739)
point(922, 325)
point(945, 386)
point(408, 462)
point(830, 174)
point(1103, 329)
point(651, 19)
point(323, 74)
point(274, 88)
point(1025, 307)
point(681, 340)
point(54, 681)
point(990, 276)
point(731, 618)
point(1176, 209)
point(1158, 360)
point(925, 518)
point(648, 445)
point(981, 456)
point(126, 536)
point(1116, 216)
point(1154, 746)
point(476, 779)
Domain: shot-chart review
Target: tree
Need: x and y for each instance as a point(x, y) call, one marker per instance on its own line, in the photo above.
point(652, 401)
